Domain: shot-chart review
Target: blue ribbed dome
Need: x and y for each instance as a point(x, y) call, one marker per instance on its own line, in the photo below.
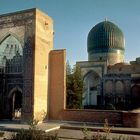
point(105, 37)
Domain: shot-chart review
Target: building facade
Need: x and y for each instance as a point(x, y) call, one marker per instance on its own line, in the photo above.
point(109, 81)
point(33, 74)
point(26, 55)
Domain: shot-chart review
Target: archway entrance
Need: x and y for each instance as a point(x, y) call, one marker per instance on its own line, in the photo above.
point(91, 94)
point(15, 104)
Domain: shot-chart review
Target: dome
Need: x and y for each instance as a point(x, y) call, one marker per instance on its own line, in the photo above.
point(105, 37)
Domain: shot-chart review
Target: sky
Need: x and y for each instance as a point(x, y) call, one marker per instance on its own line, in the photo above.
point(73, 20)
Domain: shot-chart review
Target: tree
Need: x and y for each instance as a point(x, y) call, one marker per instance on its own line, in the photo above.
point(68, 68)
point(74, 87)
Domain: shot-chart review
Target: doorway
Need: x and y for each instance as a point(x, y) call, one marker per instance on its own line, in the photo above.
point(135, 96)
point(15, 104)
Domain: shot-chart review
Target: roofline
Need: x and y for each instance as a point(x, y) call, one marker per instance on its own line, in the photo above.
point(19, 12)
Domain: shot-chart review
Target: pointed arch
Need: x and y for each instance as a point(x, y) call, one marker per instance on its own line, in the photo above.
point(119, 87)
point(91, 72)
point(10, 34)
point(92, 81)
point(108, 87)
point(15, 98)
point(9, 45)
point(17, 88)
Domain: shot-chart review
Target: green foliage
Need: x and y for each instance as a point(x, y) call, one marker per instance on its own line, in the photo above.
point(32, 133)
point(110, 107)
point(1, 134)
point(53, 137)
point(32, 124)
point(68, 69)
point(74, 87)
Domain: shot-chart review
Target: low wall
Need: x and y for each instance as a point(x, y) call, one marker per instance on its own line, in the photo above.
point(124, 118)
point(131, 119)
point(94, 116)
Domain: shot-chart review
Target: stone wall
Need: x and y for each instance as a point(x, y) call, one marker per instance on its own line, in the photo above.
point(125, 68)
point(34, 31)
point(43, 46)
point(21, 25)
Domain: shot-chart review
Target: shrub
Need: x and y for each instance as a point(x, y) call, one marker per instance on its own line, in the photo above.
point(107, 130)
point(32, 133)
point(110, 107)
point(1, 134)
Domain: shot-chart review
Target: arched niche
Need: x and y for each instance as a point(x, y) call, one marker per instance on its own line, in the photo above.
point(9, 47)
point(108, 87)
point(91, 81)
point(135, 96)
point(119, 87)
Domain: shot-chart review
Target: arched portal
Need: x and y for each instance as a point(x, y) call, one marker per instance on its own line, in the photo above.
point(91, 93)
point(15, 99)
point(9, 48)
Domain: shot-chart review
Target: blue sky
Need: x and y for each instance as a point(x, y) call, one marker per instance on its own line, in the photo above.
point(74, 18)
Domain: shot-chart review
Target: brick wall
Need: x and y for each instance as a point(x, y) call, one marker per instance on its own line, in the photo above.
point(56, 100)
point(131, 119)
point(124, 118)
point(94, 116)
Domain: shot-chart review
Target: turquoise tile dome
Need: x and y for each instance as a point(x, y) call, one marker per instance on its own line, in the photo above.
point(105, 37)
